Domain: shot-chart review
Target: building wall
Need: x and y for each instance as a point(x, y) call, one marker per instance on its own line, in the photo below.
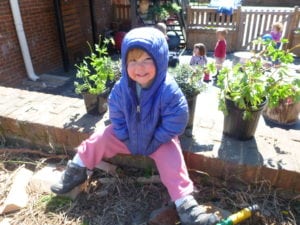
point(77, 28)
point(103, 15)
point(41, 31)
point(12, 68)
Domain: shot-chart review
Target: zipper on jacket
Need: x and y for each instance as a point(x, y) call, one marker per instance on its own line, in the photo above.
point(138, 112)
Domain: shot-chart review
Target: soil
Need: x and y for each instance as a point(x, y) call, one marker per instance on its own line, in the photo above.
point(126, 202)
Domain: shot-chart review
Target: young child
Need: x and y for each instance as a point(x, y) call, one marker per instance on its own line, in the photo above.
point(220, 49)
point(276, 33)
point(199, 55)
point(199, 58)
point(163, 28)
point(147, 111)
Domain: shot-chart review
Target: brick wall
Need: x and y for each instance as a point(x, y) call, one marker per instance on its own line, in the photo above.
point(41, 32)
point(40, 29)
point(12, 69)
point(78, 28)
point(103, 15)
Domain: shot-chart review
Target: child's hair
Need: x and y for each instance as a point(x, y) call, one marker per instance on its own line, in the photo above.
point(162, 27)
point(202, 48)
point(134, 54)
point(222, 31)
point(278, 26)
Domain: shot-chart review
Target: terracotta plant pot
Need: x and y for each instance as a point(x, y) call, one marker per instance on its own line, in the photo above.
point(285, 114)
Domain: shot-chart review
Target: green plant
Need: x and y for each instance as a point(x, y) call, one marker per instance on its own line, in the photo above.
point(158, 12)
point(162, 12)
point(250, 84)
point(96, 70)
point(54, 203)
point(283, 89)
point(172, 8)
point(188, 78)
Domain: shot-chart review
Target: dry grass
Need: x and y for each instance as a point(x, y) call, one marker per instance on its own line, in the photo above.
point(130, 203)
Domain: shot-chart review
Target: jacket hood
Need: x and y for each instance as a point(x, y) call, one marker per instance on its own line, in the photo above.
point(154, 43)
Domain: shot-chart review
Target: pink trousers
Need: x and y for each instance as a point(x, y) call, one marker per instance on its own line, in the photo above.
point(168, 159)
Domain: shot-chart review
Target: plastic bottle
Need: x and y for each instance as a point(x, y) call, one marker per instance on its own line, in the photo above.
point(239, 216)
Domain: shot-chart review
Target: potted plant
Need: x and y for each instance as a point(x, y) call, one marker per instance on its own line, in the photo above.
point(189, 79)
point(96, 75)
point(246, 88)
point(283, 92)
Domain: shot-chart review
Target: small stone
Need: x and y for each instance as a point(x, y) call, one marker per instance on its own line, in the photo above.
point(17, 197)
point(44, 178)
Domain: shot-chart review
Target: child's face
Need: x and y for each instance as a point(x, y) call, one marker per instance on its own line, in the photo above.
point(275, 29)
point(220, 36)
point(142, 70)
point(196, 51)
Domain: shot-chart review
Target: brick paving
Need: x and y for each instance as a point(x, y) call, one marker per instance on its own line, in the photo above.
point(58, 122)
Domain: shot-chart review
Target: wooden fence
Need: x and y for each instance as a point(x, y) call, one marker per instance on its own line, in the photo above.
point(244, 25)
point(121, 12)
point(257, 21)
point(209, 18)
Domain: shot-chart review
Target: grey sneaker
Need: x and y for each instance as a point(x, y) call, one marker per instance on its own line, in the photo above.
point(73, 176)
point(191, 213)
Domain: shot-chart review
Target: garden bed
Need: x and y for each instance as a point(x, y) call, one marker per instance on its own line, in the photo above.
point(127, 202)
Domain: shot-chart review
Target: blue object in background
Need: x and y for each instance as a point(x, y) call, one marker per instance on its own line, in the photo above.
point(267, 37)
point(225, 10)
point(225, 3)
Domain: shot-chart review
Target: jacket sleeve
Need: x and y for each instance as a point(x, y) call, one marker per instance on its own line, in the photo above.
point(174, 117)
point(192, 61)
point(116, 114)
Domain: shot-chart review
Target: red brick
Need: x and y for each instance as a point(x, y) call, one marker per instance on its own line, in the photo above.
point(231, 170)
point(297, 183)
point(9, 126)
point(251, 174)
point(269, 174)
point(286, 179)
point(199, 162)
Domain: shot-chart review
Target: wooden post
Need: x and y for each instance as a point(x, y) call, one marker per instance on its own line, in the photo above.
point(295, 19)
point(133, 8)
point(236, 40)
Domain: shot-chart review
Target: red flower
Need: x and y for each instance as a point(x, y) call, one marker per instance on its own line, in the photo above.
point(289, 101)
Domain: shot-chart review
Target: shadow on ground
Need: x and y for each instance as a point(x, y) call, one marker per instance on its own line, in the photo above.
point(240, 152)
point(272, 124)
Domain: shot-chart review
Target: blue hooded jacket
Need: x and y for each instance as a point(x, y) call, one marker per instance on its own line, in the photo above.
point(161, 112)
